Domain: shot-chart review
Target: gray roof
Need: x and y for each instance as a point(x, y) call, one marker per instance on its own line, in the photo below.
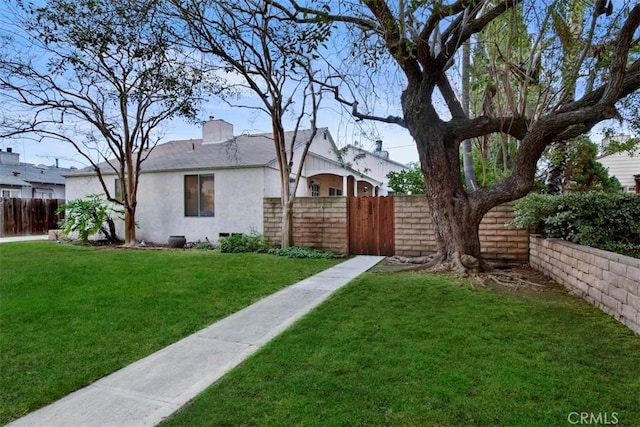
point(241, 151)
point(26, 175)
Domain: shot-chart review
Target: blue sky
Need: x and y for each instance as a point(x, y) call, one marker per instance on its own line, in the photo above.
point(396, 140)
point(344, 130)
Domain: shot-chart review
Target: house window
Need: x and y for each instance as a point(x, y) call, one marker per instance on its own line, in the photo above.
point(335, 191)
point(315, 189)
point(11, 193)
point(292, 182)
point(118, 188)
point(199, 195)
point(43, 193)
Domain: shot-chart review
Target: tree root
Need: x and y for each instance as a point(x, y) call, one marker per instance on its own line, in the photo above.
point(461, 264)
point(411, 260)
point(469, 266)
point(512, 281)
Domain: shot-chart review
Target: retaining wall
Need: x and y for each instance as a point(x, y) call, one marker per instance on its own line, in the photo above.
point(607, 280)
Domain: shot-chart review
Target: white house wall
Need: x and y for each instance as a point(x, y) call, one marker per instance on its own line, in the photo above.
point(238, 195)
point(371, 164)
point(315, 164)
point(623, 167)
point(271, 182)
point(323, 145)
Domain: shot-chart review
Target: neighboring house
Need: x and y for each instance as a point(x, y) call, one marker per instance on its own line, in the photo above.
point(624, 167)
point(27, 181)
point(215, 186)
point(372, 163)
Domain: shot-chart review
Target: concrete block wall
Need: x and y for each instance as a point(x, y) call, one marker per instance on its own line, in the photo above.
point(414, 229)
point(321, 222)
point(318, 222)
point(499, 241)
point(607, 280)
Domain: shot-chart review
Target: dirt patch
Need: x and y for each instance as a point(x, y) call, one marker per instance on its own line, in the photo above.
point(504, 278)
point(521, 279)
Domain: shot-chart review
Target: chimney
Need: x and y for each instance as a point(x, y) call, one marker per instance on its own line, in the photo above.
point(215, 131)
point(378, 146)
point(9, 157)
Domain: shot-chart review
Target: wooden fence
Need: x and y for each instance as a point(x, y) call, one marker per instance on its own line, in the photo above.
point(24, 217)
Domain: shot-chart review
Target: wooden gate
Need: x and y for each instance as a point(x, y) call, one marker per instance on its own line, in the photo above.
point(371, 226)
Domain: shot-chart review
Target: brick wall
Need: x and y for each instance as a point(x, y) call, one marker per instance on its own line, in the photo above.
point(499, 241)
point(607, 280)
point(414, 229)
point(321, 222)
point(318, 222)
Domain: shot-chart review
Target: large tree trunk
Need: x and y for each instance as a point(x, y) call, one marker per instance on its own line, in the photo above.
point(554, 181)
point(455, 219)
point(130, 226)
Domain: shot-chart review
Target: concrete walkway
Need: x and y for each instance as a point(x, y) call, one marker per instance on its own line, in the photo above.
point(151, 389)
point(23, 238)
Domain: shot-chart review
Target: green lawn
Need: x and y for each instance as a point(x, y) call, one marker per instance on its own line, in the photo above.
point(70, 315)
point(409, 349)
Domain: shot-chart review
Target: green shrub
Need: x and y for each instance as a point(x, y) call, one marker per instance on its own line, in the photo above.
point(202, 245)
point(296, 252)
point(87, 217)
point(240, 243)
point(606, 221)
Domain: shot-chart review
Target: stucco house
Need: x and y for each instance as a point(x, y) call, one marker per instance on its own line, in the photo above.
point(28, 181)
point(214, 186)
point(625, 167)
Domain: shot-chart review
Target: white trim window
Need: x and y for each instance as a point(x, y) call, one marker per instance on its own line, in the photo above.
point(117, 193)
point(335, 191)
point(11, 193)
point(199, 195)
point(315, 189)
point(43, 193)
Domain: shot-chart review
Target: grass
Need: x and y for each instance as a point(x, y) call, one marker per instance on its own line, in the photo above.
point(70, 315)
point(409, 349)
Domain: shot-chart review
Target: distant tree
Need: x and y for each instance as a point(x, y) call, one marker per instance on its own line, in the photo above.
point(583, 172)
point(407, 181)
point(101, 75)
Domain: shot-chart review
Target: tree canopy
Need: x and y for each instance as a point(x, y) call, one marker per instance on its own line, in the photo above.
point(101, 75)
point(543, 80)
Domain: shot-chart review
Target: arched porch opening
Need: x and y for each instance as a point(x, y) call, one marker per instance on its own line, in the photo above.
point(334, 183)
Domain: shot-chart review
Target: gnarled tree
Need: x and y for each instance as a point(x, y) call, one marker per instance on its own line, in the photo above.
point(423, 39)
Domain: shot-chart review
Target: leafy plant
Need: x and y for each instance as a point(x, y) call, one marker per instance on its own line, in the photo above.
point(202, 245)
point(584, 172)
point(87, 217)
point(296, 252)
point(607, 221)
point(407, 182)
point(240, 243)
